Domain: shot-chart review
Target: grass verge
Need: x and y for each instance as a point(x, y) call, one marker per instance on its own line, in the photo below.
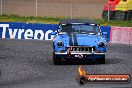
point(55, 20)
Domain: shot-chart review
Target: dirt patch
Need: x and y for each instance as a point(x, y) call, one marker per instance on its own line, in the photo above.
point(55, 8)
point(76, 1)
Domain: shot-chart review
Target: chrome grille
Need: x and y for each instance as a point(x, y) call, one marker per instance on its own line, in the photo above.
point(81, 49)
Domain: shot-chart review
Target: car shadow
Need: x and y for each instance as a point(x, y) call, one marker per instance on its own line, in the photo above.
point(78, 62)
point(84, 62)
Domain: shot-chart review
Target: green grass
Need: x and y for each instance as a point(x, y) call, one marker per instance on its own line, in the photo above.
point(55, 20)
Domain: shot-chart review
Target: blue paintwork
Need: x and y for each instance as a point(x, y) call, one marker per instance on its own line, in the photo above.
point(83, 40)
point(107, 30)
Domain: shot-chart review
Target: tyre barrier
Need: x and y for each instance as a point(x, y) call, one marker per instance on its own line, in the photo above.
point(123, 10)
point(123, 15)
point(128, 15)
point(120, 15)
point(124, 5)
point(105, 15)
point(112, 4)
point(119, 10)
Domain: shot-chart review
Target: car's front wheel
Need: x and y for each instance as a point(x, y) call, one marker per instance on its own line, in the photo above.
point(56, 60)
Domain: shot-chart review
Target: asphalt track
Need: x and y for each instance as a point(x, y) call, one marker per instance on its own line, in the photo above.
point(28, 64)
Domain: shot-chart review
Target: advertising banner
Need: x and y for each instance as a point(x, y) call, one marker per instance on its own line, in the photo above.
point(107, 30)
point(26, 30)
point(15, 30)
point(121, 35)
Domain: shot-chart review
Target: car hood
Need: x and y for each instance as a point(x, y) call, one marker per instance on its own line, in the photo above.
point(81, 39)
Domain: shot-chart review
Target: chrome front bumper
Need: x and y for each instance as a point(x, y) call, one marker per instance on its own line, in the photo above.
point(73, 50)
point(74, 53)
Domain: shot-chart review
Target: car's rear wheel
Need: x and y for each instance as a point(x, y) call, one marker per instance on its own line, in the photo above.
point(101, 60)
point(56, 60)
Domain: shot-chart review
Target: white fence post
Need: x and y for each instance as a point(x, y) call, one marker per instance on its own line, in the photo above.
point(71, 10)
point(36, 8)
point(1, 7)
point(108, 12)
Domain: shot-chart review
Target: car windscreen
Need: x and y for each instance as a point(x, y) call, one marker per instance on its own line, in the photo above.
point(79, 28)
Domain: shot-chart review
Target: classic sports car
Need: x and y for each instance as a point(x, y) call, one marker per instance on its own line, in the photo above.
point(79, 39)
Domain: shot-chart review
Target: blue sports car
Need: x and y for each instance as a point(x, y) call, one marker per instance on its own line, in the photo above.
point(79, 39)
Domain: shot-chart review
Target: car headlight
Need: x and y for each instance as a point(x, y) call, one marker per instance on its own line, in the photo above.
point(60, 43)
point(101, 44)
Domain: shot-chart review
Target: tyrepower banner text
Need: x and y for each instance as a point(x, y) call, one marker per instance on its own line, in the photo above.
point(27, 30)
point(16, 30)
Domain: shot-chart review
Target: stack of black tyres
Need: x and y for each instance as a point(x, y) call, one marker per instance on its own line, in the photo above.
point(128, 15)
point(111, 15)
point(124, 10)
point(110, 5)
point(120, 15)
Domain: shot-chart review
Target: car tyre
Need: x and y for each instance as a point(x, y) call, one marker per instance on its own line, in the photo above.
point(56, 60)
point(101, 60)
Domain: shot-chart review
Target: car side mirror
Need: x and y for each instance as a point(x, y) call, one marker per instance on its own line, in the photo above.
point(53, 33)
